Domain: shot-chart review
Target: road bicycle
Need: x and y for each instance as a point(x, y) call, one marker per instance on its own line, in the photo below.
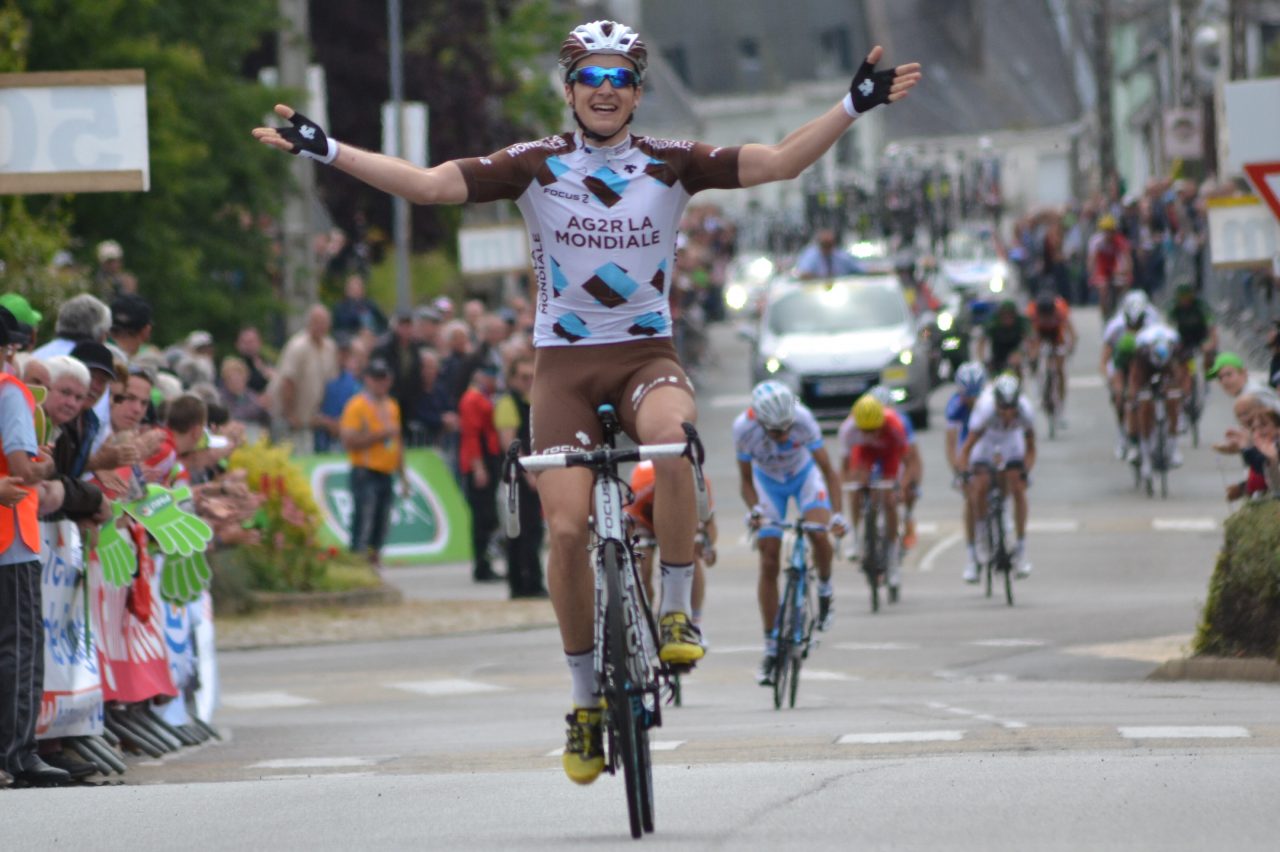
point(1156, 395)
point(628, 674)
point(797, 616)
point(995, 535)
point(1051, 397)
point(875, 549)
point(1193, 407)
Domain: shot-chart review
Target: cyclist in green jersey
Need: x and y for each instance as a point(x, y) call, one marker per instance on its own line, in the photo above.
point(1190, 316)
point(1000, 346)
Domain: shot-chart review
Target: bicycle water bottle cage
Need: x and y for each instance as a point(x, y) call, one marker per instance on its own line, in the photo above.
point(609, 421)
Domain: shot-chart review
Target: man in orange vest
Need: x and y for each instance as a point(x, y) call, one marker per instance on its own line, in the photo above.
point(370, 429)
point(22, 467)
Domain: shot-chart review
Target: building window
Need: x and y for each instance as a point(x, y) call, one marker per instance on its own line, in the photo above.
point(833, 49)
point(679, 62)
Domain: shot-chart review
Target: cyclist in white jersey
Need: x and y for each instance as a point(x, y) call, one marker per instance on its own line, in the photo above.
point(1136, 313)
point(601, 206)
point(781, 458)
point(1003, 426)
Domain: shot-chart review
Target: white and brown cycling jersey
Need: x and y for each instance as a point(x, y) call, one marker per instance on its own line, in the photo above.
point(602, 226)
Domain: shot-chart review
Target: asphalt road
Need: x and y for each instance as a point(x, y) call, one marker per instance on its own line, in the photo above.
point(948, 720)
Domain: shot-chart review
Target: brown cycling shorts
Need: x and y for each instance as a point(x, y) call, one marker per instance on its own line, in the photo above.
point(570, 382)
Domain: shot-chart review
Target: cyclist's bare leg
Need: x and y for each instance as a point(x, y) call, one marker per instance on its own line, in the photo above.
point(699, 584)
point(978, 487)
point(675, 517)
point(1016, 487)
point(821, 542)
point(566, 498)
point(646, 572)
point(767, 591)
point(1059, 367)
point(858, 476)
point(968, 516)
point(889, 500)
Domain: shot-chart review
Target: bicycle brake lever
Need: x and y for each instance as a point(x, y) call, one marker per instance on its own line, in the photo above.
point(511, 473)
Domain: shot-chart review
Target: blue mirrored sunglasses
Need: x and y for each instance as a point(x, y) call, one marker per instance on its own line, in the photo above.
point(594, 76)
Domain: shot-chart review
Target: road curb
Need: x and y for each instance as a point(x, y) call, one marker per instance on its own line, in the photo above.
point(1255, 669)
point(383, 595)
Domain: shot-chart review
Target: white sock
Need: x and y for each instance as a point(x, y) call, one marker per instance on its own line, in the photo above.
point(826, 589)
point(695, 617)
point(770, 645)
point(677, 588)
point(973, 552)
point(582, 671)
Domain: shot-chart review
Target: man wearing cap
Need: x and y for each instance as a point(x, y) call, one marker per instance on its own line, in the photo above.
point(1229, 369)
point(426, 326)
point(131, 325)
point(28, 317)
point(88, 433)
point(110, 280)
point(370, 430)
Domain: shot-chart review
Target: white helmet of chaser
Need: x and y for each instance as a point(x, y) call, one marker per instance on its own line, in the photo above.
point(774, 405)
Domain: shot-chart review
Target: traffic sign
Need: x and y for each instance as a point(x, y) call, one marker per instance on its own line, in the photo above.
point(1242, 233)
point(1259, 175)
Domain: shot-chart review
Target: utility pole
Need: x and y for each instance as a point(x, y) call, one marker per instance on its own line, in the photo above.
point(1184, 63)
point(293, 54)
point(1102, 79)
point(400, 206)
point(1238, 19)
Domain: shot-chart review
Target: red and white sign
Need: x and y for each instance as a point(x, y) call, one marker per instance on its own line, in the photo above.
point(1265, 178)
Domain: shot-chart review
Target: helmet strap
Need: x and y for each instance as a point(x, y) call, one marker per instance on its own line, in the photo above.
point(596, 137)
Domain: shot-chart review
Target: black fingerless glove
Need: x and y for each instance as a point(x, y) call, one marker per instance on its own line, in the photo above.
point(870, 88)
point(309, 139)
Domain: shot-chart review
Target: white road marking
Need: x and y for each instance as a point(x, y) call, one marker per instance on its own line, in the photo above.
point(446, 687)
point(1009, 643)
point(264, 700)
point(328, 776)
point(901, 737)
point(1184, 524)
point(931, 556)
point(556, 753)
point(926, 528)
point(1009, 724)
point(818, 674)
point(665, 745)
point(876, 646)
point(314, 763)
point(1087, 381)
point(733, 400)
point(1053, 526)
point(738, 649)
point(1184, 732)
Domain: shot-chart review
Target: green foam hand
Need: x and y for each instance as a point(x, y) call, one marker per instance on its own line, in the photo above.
point(175, 530)
point(116, 553)
point(184, 578)
point(42, 424)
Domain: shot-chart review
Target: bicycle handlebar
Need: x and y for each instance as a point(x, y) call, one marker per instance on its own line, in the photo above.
point(878, 485)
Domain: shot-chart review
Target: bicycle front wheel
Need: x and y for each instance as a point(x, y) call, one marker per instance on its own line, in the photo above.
point(872, 565)
point(784, 668)
point(626, 692)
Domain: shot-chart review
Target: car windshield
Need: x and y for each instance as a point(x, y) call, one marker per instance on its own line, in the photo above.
point(838, 309)
point(971, 245)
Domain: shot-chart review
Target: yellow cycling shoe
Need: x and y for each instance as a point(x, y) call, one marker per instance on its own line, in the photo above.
point(681, 641)
point(584, 745)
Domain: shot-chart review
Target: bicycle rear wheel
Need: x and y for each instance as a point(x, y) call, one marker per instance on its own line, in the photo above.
point(625, 698)
point(991, 546)
point(1050, 401)
point(1004, 561)
point(872, 564)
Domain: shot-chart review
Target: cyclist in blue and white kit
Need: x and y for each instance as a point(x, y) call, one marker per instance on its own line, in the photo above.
point(971, 378)
point(781, 458)
point(602, 207)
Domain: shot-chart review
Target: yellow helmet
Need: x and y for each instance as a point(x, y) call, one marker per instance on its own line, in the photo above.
point(1107, 222)
point(868, 413)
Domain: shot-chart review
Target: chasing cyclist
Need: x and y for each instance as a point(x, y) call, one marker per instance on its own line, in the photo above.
point(876, 443)
point(1154, 358)
point(602, 206)
point(1136, 313)
point(781, 458)
point(1189, 315)
point(1051, 327)
point(971, 379)
point(640, 511)
point(999, 346)
point(1109, 261)
point(1002, 426)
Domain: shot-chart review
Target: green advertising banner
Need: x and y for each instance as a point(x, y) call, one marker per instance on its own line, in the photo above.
point(432, 526)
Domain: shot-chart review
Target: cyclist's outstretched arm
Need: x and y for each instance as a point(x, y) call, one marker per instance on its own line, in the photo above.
point(746, 485)
point(442, 184)
point(801, 148)
point(974, 435)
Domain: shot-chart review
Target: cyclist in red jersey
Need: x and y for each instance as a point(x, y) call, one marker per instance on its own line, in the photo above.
point(877, 445)
point(1109, 262)
point(1051, 326)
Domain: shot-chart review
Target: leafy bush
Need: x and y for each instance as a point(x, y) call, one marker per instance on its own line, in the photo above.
point(1242, 615)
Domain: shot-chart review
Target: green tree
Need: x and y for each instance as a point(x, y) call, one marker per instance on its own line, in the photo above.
point(194, 239)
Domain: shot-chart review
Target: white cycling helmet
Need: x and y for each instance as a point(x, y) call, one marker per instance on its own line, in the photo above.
point(1006, 390)
point(603, 37)
point(774, 405)
point(971, 377)
point(1135, 307)
point(882, 395)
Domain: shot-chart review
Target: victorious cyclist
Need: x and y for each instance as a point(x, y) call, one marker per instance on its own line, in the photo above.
point(602, 206)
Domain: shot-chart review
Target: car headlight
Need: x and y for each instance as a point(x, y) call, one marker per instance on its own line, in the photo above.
point(905, 357)
point(772, 365)
point(735, 296)
point(997, 284)
point(945, 321)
